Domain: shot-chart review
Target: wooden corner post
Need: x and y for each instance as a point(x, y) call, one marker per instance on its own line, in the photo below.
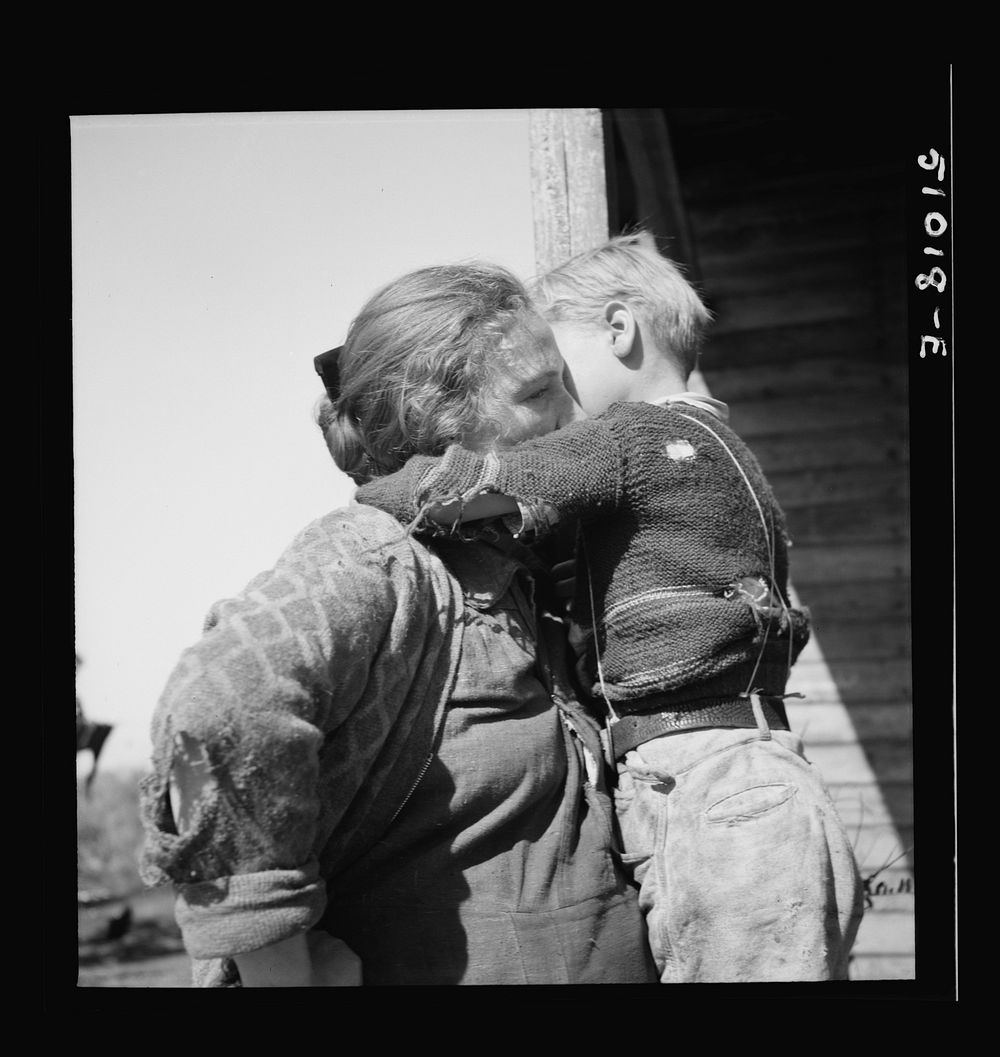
point(568, 186)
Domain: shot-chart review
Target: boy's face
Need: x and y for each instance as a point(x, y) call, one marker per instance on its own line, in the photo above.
point(527, 396)
point(594, 374)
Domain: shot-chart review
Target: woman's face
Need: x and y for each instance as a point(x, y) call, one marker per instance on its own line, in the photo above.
point(527, 396)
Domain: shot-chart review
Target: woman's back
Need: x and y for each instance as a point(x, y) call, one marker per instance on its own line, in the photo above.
point(498, 869)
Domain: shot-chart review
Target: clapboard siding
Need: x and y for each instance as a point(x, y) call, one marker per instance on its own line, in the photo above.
point(809, 376)
point(830, 249)
point(784, 241)
point(739, 312)
point(757, 182)
point(798, 234)
point(847, 561)
point(890, 758)
point(872, 445)
point(868, 679)
point(891, 893)
point(837, 484)
point(874, 637)
point(882, 848)
point(822, 721)
point(856, 808)
point(802, 269)
point(886, 934)
point(792, 343)
point(815, 413)
point(845, 600)
point(874, 517)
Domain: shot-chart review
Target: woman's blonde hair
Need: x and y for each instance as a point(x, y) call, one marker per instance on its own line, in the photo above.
point(416, 365)
point(629, 268)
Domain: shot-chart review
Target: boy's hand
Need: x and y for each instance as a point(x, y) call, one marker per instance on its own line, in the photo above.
point(564, 578)
point(580, 640)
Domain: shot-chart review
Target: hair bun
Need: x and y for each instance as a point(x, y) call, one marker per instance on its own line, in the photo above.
point(343, 440)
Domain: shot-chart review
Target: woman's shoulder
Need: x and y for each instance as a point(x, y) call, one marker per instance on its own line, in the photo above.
point(356, 520)
point(355, 529)
point(361, 538)
point(353, 567)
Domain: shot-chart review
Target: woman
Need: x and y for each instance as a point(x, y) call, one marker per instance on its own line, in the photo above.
point(378, 740)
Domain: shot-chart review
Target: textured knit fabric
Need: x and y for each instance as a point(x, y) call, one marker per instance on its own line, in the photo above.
point(676, 513)
point(746, 874)
point(320, 698)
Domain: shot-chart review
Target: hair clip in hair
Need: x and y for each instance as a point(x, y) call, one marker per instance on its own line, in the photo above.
point(328, 368)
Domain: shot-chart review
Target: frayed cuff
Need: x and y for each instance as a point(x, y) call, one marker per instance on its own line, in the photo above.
point(234, 915)
point(533, 520)
point(458, 477)
point(459, 473)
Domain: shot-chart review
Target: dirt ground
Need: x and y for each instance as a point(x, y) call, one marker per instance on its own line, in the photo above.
point(147, 953)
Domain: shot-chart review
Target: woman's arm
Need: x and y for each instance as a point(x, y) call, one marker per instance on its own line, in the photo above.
point(253, 732)
point(311, 959)
point(282, 964)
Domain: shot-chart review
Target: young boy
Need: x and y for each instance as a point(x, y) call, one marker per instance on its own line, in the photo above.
point(744, 870)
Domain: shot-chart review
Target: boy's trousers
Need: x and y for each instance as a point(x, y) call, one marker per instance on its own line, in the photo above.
point(745, 872)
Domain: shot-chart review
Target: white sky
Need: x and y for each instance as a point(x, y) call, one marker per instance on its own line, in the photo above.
point(213, 257)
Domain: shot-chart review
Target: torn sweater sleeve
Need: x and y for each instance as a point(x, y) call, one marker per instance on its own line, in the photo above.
point(574, 472)
point(279, 671)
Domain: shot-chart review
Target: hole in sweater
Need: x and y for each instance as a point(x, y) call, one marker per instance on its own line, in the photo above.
point(680, 450)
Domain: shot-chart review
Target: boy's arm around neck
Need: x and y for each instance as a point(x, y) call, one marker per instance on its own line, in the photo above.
point(577, 470)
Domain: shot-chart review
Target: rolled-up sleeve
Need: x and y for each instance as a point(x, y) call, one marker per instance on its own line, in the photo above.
point(234, 915)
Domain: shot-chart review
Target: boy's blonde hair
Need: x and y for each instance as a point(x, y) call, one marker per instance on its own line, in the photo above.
point(628, 268)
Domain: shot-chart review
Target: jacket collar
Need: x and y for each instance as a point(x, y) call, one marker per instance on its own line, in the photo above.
point(706, 403)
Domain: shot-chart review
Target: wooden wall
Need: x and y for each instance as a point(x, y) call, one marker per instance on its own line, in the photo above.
point(792, 222)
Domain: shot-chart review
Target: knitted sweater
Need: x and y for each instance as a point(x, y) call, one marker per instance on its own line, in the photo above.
point(684, 542)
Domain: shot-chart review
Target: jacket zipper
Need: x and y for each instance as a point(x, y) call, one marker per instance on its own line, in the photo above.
point(413, 788)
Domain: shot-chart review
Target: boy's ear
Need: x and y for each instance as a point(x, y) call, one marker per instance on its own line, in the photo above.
point(620, 318)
